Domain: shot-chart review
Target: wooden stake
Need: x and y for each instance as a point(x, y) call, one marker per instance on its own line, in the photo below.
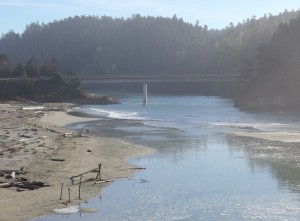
point(61, 191)
point(69, 192)
point(79, 197)
point(98, 177)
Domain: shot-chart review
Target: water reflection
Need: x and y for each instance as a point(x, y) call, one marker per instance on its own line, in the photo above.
point(167, 141)
point(281, 160)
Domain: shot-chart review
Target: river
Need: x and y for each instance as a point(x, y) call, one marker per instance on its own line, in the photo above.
point(199, 171)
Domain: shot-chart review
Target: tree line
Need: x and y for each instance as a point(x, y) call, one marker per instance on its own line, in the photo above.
point(264, 51)
point(142, 45)
point(37, 82)
point(275, 83)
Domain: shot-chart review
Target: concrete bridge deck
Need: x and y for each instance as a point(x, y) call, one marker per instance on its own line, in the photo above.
point(161, 78)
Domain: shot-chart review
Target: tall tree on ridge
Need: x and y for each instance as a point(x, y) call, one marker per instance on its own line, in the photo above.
point(5, 68)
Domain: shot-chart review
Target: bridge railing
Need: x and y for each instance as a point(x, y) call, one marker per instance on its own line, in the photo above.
point(159, 78)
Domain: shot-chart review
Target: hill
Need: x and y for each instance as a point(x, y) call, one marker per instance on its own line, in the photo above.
point(142, 45)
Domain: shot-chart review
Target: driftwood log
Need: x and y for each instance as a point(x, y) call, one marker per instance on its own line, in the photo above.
point(24, 185)
point(6, 185)
point(55, 159)
point(17, 172)
point(93, 170)
point(21, 183)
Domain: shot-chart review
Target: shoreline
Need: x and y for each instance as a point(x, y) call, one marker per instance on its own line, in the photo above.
point(45, 127)
point(62, 119)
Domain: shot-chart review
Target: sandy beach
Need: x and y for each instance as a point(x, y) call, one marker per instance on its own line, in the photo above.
point(34, 138)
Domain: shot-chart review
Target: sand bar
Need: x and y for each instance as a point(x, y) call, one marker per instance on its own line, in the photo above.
point(61, 119)
point(283, 136)
point(46, 142)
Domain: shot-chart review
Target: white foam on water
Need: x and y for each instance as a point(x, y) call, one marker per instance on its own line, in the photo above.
point(253, 125)
point(109, 113)
point(67, 210)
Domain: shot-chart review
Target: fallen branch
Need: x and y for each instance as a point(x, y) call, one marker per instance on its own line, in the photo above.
point(26, 186)
point(32, 185)
point(54, 131)
point(93, 170)
point(17, 172)
point(6, 185)
point(21, 190)
point(25, 136)
point(104, 181)
point(54, 159)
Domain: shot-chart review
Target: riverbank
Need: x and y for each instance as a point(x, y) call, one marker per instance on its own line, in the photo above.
point(31, 137)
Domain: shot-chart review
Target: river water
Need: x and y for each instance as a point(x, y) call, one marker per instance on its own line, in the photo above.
point(199, 171)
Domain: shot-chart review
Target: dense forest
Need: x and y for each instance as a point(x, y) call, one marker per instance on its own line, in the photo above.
point(164, 46)
point(42, 83)
point(276, 84)
point(142, 45)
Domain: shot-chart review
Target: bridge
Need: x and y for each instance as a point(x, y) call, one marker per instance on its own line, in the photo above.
point(145, 78)
point(159, 78)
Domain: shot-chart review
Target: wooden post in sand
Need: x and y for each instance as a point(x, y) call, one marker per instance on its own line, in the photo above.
point(69, 192)
point(79, 197)
point(145, 94)
point(61, 191)
point(98, 177)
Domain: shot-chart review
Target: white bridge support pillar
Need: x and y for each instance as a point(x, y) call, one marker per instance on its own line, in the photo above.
point(145, 94)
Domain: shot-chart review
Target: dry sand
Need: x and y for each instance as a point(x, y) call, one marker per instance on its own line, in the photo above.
point(29, 139)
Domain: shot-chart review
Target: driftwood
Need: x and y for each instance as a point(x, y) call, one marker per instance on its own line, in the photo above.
point(25, 136)
point(17, 172)
point(27, 186)
point(54, 131)
point(30, 185)
point(21, 190)
point(73, 135)
point(54, 159)
point(93, 170)
point(21, 183)
point(104, 181)
point(6, 185)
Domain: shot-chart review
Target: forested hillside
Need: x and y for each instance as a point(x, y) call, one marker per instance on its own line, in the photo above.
point(143, 45)
point(276, 85)
point(43, 83)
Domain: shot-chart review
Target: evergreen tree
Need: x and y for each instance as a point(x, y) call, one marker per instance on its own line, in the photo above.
point(31, 67)
point(5, 67)
point(19, 71)
point(50, 68)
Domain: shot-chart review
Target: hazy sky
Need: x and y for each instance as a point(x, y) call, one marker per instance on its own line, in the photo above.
point(16, 14)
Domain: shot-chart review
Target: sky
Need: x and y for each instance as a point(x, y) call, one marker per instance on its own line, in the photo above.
point(217, 14)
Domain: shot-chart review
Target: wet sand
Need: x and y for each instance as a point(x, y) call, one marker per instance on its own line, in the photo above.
point(282, 136)
point(31, 137)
